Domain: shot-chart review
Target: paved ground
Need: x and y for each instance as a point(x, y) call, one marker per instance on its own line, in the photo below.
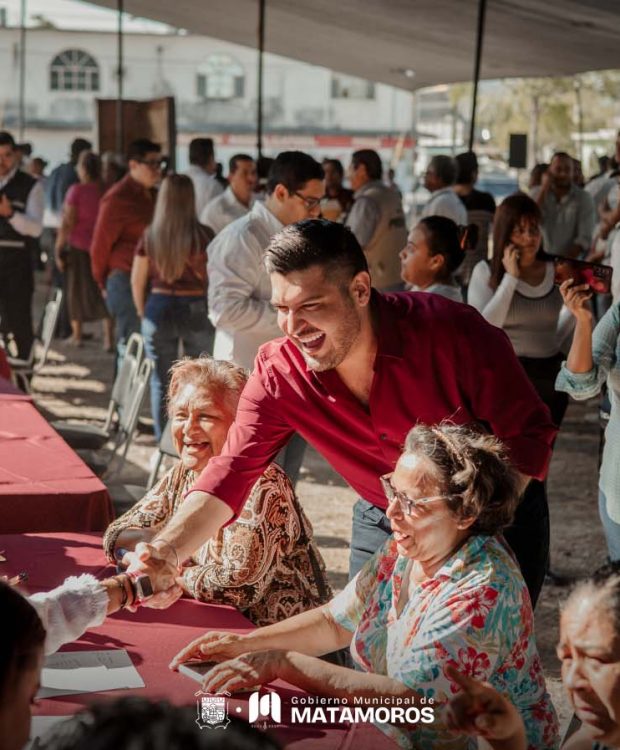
point(76, 385)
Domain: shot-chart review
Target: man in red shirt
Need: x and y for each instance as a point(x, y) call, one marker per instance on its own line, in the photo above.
point(124, 213)
point(354, 372)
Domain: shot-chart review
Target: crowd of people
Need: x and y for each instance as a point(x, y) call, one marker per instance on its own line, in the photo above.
point(430, 365)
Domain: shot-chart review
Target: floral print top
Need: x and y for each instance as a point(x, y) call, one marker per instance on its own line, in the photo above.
point(475, 614)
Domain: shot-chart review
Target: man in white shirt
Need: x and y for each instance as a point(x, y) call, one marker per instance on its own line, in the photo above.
point(21, 216)
point(439, 178)
point(239, 286)
point(238, 197)
point(202, 172)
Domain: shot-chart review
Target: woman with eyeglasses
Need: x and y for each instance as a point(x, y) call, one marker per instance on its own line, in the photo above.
point(169, 286)
point(444, 591)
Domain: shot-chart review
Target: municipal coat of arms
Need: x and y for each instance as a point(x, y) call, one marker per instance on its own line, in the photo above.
point(212, 710)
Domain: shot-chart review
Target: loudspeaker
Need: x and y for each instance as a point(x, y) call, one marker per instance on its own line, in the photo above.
point(517, 156)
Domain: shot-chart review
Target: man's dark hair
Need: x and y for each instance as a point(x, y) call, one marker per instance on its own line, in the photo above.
point(234, 161)
point(77, 146)
point(467, 168)
point(316, 242)
point(6, 139)
point(140, 724)
point(139, 148)
point(201, 151)
point(371, 160)
point(445, 168)
point(336, 164)
point(293, 169)
point(23, 634)
point(561, 155)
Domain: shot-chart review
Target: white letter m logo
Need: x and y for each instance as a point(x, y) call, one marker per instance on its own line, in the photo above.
point(267, 706)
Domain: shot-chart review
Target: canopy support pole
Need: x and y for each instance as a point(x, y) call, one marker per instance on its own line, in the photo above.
point(482, 6)
point(259, 102)
point(120, 135)
point(22, 72)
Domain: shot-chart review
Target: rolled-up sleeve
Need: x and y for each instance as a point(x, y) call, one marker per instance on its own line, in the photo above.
point(584, 385)
point(30, 223)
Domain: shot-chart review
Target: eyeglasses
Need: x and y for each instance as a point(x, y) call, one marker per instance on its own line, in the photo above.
point(309, 202)
point(406, 504)
point(153, 163)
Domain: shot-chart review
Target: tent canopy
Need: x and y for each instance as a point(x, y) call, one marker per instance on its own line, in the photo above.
point(385, 40)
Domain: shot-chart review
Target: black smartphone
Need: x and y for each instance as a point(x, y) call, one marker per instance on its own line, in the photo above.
point(196, 670)
point(597, 277)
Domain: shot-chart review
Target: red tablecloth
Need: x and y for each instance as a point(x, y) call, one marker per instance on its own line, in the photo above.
point(153, 637)
point(44, 485)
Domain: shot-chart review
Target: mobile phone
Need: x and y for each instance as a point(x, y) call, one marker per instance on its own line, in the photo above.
point(597, 277)
point(196, 670)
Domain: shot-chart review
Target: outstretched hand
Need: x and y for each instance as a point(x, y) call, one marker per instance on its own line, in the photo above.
point(480, 710)
point(150, 560)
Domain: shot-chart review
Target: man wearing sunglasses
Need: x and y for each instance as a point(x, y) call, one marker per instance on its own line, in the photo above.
point(124, 213)
point(377, 220)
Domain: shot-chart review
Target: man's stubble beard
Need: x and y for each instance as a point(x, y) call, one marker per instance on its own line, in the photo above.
point(346, 337)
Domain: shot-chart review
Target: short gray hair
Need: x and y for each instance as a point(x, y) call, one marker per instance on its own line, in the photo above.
point(214, 375)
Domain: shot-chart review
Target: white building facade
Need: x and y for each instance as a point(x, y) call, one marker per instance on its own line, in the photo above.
point(215, 88)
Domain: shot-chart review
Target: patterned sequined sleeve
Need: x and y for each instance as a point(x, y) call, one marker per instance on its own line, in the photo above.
point(152, 512)
point(238, 567)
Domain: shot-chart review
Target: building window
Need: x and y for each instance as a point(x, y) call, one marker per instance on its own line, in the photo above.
point(74, 70)
point(220, 77)
point(347, 87)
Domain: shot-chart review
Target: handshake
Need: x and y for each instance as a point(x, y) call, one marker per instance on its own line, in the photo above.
point(159, 562)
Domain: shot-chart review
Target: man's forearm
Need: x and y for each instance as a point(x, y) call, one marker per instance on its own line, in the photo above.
point(198, 519)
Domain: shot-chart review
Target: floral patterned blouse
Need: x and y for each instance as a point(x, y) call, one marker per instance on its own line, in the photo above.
point(265, 563)
point(475, 614)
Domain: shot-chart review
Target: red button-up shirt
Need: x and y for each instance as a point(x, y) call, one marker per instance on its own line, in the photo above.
point(125, 211)
point(436, 360)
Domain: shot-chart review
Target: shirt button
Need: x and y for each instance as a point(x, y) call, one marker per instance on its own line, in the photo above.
point(383, 436)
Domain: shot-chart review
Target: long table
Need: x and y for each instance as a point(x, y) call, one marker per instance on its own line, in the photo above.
point(44, 484)
point(153, 637)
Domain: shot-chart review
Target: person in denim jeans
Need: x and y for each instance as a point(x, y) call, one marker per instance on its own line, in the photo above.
point(125, 210)
point(171, 257)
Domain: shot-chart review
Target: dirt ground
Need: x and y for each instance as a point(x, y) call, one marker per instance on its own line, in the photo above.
point(76, 382)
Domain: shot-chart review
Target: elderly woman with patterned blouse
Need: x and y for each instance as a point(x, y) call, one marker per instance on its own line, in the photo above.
point(444, 591)
point(265, 563)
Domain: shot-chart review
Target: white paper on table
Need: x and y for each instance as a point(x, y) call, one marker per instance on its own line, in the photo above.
point(72, 672)
point(39, 726)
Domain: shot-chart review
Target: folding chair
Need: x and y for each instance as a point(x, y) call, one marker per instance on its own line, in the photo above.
point(93, 437)
point(126, 426)
point(24, 369)
point(124, 496)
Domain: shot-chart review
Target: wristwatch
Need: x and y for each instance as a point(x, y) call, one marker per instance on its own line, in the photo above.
point(141, 586)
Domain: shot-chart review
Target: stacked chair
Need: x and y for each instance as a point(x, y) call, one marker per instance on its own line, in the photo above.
point(128, 394)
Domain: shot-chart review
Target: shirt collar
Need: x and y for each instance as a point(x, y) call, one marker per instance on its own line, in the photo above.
point(442, 191)
point(461, 561)
point(274, 225)
point(389, 338)
point(5, 180)
point(366, 186)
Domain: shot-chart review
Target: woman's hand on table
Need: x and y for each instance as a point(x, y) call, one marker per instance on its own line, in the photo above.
point(213, 646)
point(248, 671)
point(481, 711)
point(576, 298)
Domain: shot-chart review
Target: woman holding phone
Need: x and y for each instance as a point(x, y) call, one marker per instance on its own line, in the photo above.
point(516, 292)
point(594, 359)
